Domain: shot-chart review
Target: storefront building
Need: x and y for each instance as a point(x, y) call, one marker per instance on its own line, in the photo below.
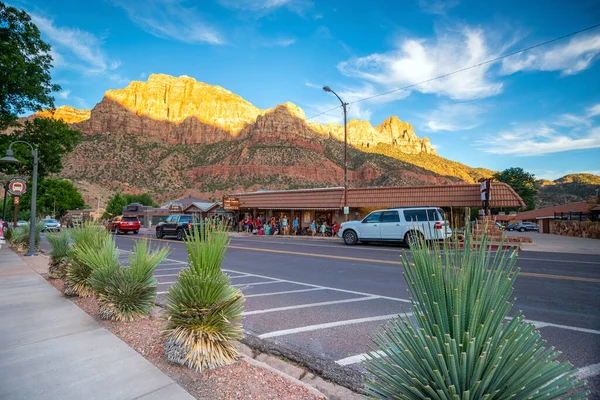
point(326, 204)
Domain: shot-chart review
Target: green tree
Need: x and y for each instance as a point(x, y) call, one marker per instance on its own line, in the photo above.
point(53, 139)
point(115, 205)
point(522, 182)
point(53, 194)
point(144, 199)
point(25, 64)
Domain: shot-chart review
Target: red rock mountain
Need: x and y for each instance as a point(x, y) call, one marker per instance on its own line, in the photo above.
point(176, 135)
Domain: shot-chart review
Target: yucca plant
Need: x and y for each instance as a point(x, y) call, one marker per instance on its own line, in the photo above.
point(93, 237)
point(59, 244)
point(123, 293)
point(459, 342)
point(203, 309)
point(19, 236)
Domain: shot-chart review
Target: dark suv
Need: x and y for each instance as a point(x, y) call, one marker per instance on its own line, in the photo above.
point(176, 225)
point(526, 226)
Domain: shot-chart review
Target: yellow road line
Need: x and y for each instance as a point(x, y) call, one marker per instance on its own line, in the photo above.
point(370, 260)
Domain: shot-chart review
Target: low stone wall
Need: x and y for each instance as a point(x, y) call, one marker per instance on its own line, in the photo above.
point(575, 228)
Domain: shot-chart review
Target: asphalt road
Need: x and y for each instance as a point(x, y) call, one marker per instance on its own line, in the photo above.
point(318, 302)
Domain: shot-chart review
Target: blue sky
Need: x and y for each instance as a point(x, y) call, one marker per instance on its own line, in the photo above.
point(539, 110)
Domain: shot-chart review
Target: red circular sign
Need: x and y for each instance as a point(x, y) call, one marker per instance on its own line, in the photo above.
point(16, 200)
point(17, 186)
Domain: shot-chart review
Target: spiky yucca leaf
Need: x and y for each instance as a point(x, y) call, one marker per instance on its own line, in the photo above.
point(59, 250)
point(123, 293)
point(458, 343)
point(203, 310)
point(20, 236)
point(93, 237)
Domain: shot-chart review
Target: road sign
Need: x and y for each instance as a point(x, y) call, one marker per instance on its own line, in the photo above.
point(17, 186)
point(16, 200)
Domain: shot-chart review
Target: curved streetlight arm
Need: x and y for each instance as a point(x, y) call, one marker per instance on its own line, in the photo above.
point(33, 149)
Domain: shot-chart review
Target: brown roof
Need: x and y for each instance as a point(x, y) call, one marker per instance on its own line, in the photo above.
point(549, 211)
point(460, 195)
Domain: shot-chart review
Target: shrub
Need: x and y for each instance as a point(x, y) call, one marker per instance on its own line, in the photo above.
point(203, 310)
point(59, 243)
point(460, 344)
point(19, 236)
point(123, 293)
point(89, 235)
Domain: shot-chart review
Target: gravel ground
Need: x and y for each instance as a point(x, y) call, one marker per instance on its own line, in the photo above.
point(236, 381)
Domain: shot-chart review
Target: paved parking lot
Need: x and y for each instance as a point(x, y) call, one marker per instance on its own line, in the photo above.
point(322, 301)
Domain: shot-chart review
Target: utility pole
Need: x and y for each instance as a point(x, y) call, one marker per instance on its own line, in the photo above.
point(344, 106)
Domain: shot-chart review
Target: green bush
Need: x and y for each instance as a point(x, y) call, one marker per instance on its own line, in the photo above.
point(19, 237)
point(123, 293)
point(459, 343)
point(93, 237)
point(203, 310)
point(59, 243)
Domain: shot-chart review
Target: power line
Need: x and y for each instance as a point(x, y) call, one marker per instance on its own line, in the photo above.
point(493, 60)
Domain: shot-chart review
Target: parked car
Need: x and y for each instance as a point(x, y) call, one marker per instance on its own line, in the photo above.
point(176, 225)
point(51, 225)
point(397, 224)
point(526, 226)
point(126, 224)
point(22, 223)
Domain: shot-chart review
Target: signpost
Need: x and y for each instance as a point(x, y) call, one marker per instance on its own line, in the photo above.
point(17, 186)
point(231, 203)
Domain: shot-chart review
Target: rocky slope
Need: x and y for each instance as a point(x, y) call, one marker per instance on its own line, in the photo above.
point(570, 188)
point(176, 135)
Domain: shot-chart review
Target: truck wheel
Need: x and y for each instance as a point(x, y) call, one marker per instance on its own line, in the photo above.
point(413, 237)
point(179, 234)
point(350, 237)
point(159, 234)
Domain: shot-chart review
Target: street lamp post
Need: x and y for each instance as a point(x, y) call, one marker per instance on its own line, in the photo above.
point(11, 159)
point(344, 105)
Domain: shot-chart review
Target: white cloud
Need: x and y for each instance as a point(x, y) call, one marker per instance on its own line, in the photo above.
point(283, 42)
point(64, 94)
point(74, 48)
point(417, 60)
point(170, 19)
point(594, 110)
point(439, 7)
point(545, 137)
point(570, 58)
point(263, 6)
point(454, 117)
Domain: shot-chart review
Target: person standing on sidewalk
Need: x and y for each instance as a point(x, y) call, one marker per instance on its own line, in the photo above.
point(296, 225)
point(286, 230)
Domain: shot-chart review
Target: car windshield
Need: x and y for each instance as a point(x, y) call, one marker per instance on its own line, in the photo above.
point(130, 219)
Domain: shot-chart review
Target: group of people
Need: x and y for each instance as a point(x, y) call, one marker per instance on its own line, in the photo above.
point(283, 226)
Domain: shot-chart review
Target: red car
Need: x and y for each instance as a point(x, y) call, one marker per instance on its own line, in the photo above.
point(123, 224)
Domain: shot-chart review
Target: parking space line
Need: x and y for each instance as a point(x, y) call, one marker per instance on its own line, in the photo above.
point(589, 371)
point(571, 328)
point(254, 283)
point(240, 276)
point(324, 303)
point(324, 287)
point(162, 276)
point(309, 328)
point(358, 358)
point(284, 292)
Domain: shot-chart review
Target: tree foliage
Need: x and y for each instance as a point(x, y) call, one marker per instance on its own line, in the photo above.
point(522, 182)
point(53, 140)
point(115, 205)
point(53, 194)
point(25, 63)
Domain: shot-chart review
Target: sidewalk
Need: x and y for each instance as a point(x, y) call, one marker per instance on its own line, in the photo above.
point(558, 244)
point(51, 349)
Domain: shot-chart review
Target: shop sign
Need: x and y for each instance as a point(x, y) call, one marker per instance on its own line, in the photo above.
point(17, 186)
point(175, 207)
point(231, 203)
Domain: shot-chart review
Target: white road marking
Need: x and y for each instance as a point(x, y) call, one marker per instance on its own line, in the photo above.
point(571, 328)
point(326, 326)
point(324, 287)
point(589, 371)
point(324, 303)
point(284, 292)
point(168, 264)
point(240, 276)
point(358, 358)
point(246, 285)
point(162, 276)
